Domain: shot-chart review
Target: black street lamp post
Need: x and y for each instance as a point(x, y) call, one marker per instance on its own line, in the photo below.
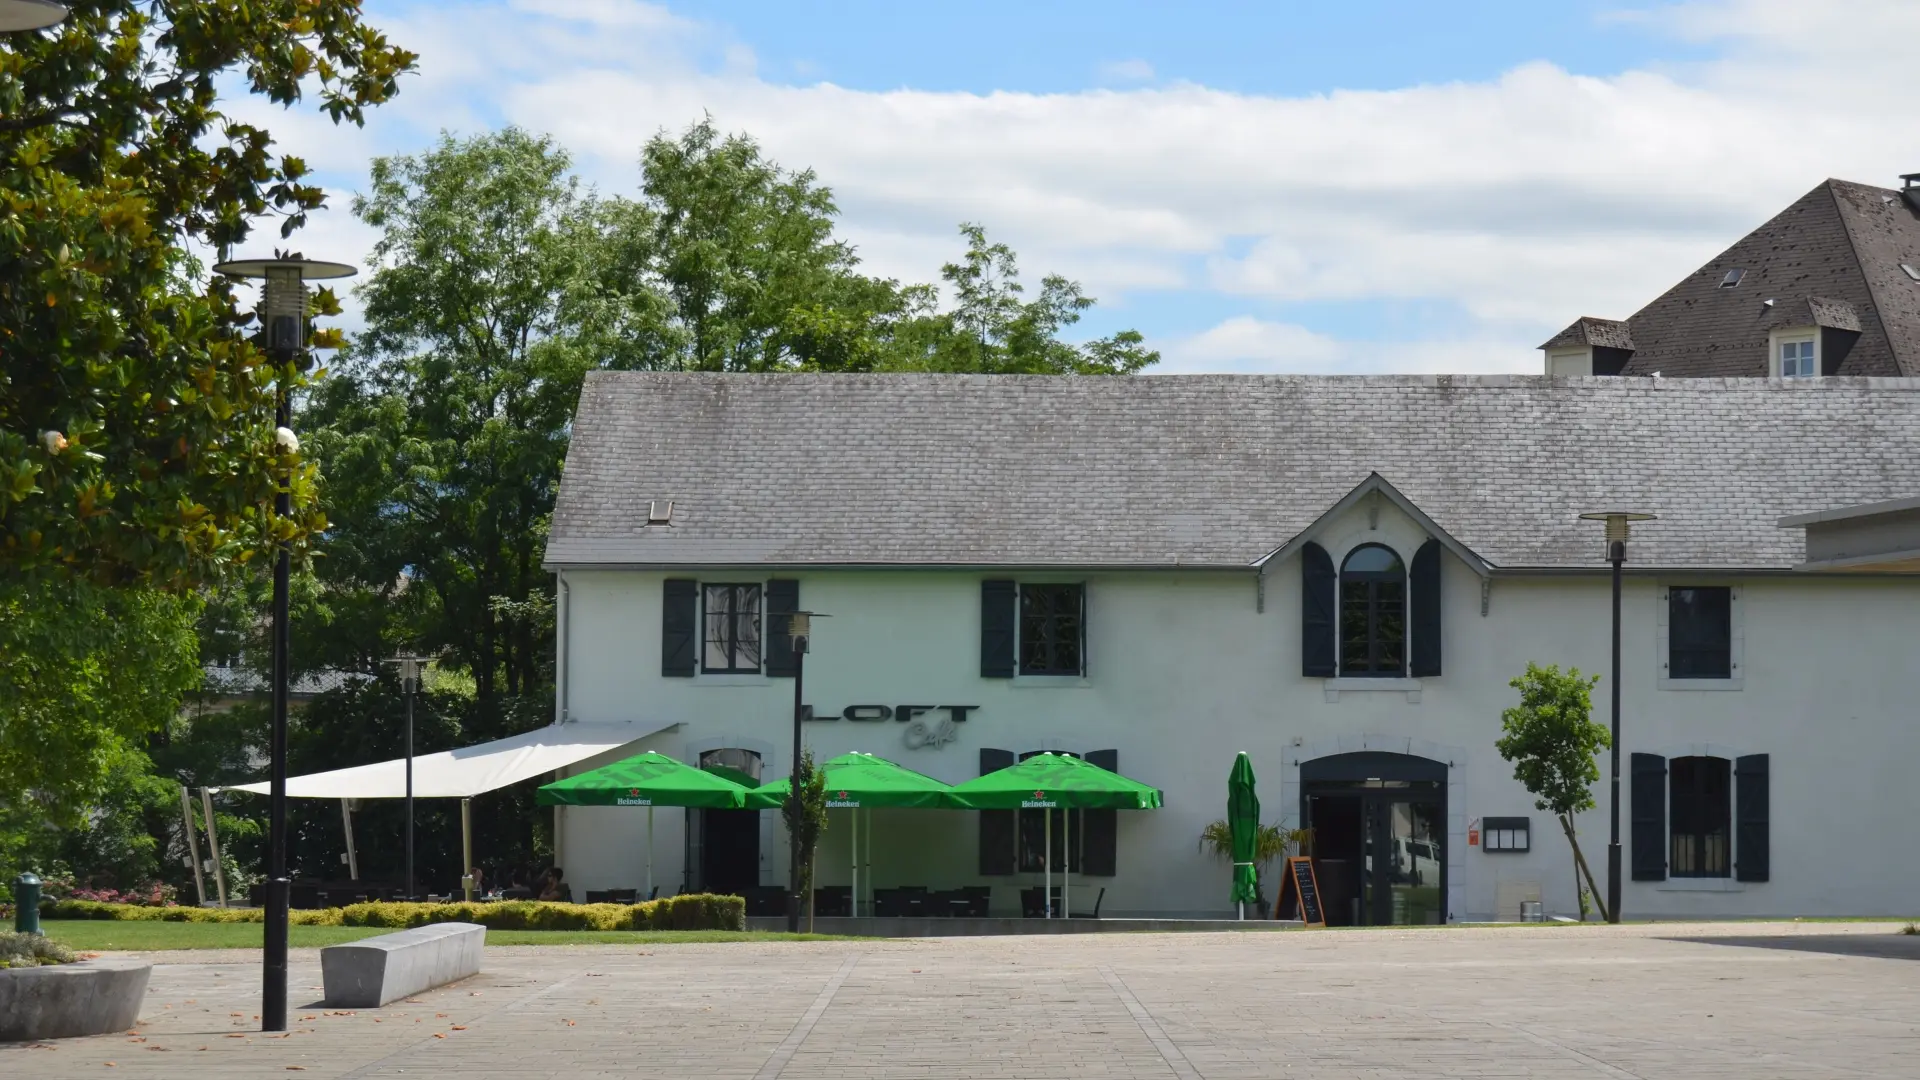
point(410, 667)
point(1618, 524)
point(799, 628)
point(283, 310)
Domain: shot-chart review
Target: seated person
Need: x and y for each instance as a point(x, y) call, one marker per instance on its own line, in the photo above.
point(554, 886)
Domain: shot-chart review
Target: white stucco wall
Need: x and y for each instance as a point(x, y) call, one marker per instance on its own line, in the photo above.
point(1184, 672)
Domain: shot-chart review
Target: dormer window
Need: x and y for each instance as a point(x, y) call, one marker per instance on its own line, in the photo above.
point(1733, 278)
point(1796, 353)
point(1570, 361)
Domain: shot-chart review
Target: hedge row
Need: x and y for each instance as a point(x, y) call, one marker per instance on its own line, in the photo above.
point(700, 911)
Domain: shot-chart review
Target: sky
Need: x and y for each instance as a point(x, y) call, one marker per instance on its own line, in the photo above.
point(1370, 186)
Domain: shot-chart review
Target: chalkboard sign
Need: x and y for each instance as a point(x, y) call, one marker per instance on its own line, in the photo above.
point(1300, 878)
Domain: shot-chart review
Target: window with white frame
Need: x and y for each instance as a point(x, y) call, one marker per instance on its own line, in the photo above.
point(732, 638)
point(1796, 356)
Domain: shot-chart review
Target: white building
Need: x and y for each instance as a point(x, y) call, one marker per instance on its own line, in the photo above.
point(1337, 575)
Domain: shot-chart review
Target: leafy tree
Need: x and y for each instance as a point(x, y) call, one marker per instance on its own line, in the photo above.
point(135, 420)
point(805, 815)
point(85, 673)
point(744, 252)
point(1554, 745)
point(991, 330)
point(490, 299)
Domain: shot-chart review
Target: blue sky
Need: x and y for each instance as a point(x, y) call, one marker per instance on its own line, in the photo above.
point(1367, 186)
point(1276, 47)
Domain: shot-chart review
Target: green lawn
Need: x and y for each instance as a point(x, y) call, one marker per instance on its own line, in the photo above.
point(101, 934)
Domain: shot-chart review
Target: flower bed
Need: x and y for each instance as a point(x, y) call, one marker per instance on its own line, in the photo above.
point(700, 911)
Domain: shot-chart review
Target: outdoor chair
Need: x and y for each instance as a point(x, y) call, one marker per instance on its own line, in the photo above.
point(599, 896)
point(304, 897)
point(979, 897)
point(1097, 901)
point(623, 896)
point(1032, 906)
point(888, 903)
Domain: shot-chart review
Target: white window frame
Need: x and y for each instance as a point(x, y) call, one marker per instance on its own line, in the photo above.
point(1798, 335)
point(705, 677)
point(1736, 634)
point(1580, 360)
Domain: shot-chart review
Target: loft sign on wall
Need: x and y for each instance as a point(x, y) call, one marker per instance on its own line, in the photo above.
point(923, 730)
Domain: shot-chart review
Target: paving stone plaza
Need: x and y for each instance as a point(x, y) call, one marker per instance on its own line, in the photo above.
point(1664, 1001)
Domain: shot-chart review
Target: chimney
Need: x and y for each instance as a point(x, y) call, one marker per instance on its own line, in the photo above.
point(1910, 190)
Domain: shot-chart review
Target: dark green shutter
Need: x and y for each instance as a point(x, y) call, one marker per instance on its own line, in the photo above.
point(996, 826)
point(783, 599)
point(998, 612)
point(1100, 829)
point(1425, 617)
point(1318, 584)
point(679, 627)
point(1750, 861)
point(1649, 799)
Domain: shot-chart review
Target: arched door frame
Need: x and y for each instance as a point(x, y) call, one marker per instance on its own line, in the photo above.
point(1452, 758)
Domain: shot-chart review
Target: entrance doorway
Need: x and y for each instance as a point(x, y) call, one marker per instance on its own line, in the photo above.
point(1379, 824)
point(723, 846)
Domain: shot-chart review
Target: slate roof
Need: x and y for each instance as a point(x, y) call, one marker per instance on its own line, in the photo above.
point(1587, 330)
point(1210, 470)
point(1841, 243)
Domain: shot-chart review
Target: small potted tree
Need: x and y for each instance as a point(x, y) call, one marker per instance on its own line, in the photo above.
point(1273, 842)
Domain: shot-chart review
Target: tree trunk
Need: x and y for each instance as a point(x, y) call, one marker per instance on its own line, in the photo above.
point(1580, 860)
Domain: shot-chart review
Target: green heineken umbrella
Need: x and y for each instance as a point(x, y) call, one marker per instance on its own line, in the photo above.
point(1243, 819)
point(647, 780)
point(861, 780)
point(1049, 782)
point(855, 781)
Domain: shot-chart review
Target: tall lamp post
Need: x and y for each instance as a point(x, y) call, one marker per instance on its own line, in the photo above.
point(283, 311)
point(799, 628)
point(1618, 524)
point(19, 15)
point(410, 666)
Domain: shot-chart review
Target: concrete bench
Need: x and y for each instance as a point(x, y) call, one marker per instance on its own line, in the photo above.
point(59, 1001)
point(367, 974)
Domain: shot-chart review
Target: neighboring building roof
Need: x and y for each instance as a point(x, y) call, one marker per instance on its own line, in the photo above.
point(1209, 470)
point(241, 680)
point(1840, 244)
point(1587, 330)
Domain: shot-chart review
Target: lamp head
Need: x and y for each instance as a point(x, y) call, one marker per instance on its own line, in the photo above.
point(1618, 522)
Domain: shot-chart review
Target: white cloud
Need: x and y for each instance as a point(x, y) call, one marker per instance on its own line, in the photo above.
point(1246, 344)
point(1522, 201)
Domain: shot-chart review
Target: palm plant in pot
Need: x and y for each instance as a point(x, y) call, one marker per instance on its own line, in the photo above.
point(1272, 842)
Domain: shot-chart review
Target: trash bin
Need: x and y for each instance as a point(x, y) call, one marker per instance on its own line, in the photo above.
point(1530, 911)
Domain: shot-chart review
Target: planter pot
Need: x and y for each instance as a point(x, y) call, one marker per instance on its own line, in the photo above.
point(92, 997)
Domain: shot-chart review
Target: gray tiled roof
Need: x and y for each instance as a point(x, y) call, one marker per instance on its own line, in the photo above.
point(1841, 243)
point(795, 470)
point(1587, 330)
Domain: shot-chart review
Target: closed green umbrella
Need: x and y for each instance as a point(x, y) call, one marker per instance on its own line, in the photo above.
point(860, 780)
point(1243, 820)
point(647, 780)
point(1049, 782)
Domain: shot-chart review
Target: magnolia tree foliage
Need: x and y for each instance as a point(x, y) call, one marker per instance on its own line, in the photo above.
point(1554, 745)
point(136, 420)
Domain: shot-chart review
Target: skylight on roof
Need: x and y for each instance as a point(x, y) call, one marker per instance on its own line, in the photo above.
point(1912, 271)
point(1733, 278)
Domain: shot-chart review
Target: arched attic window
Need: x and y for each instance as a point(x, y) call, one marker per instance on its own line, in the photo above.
point(1373, 613)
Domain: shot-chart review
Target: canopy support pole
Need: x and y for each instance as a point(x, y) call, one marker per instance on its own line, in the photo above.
point(1066, 865)
point(213, 845)
point(193, 847)
point(353, 857)
point(1046, 862)
point(466, 847)
point(853, 815)
point(869, 862)
point(649, 895)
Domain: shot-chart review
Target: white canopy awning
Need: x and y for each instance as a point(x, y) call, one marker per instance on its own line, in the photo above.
point(470, 770)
